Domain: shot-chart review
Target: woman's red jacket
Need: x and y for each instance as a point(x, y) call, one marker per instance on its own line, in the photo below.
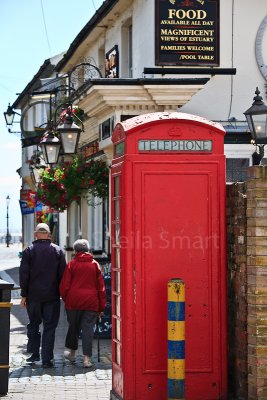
point(82, 286)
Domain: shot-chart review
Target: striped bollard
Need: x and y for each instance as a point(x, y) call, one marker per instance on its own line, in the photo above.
point(176, 339)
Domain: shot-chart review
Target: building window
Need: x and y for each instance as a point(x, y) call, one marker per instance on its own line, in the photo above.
point(125, 117)
point(74, 218)
point(106, 128)
point(236, 169)
point(95, 223)
point(98, 226)
point(106, 231)
point(101, 60)
point(126, 67)
point(130, 51)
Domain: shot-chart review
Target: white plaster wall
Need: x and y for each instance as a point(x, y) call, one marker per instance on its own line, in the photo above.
point(214, 101)
point(224, 96)
point(113, 36)
point(143, 36)
point(93, 51)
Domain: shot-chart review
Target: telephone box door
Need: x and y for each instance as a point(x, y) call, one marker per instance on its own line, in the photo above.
point(177, 235)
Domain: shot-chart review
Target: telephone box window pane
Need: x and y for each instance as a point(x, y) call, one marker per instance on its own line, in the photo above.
point(118, 354)
point(236, 169)
point(119, 148)
point(117, 233)
point(116, 186)
point(118, 263)
point(117, 209)
point(118, 306)
point(118, 330)
point(118, 281)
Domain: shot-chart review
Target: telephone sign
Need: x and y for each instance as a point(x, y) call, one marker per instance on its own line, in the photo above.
point(175, 145)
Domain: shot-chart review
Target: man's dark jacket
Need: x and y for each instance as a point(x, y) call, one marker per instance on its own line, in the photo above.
point(41, 269)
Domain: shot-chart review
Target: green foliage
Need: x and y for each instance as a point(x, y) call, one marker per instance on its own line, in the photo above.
point(66, 182)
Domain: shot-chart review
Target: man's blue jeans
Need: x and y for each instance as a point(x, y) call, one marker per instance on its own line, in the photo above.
point(48, 314)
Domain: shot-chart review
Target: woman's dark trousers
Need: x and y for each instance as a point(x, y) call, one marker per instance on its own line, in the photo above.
point(81, 320)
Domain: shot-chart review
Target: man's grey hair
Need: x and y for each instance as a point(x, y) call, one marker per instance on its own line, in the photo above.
point(81, 245)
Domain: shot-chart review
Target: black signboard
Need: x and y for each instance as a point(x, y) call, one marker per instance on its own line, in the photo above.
point(31, 141)
point(103, 330)
point(187, 32)
point(112, 63)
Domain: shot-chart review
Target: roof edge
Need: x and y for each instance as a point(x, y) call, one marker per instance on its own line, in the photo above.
point(103, 10)
point(150, 118)
point(29, 87)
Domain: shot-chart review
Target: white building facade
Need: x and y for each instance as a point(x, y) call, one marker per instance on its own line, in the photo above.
point(153, 57)
point(200, 57)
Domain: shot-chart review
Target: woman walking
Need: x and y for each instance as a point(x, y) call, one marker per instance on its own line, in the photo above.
point(83, 290)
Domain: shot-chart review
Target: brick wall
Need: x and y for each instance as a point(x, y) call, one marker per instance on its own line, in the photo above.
point(236, 204)
point(257, 281)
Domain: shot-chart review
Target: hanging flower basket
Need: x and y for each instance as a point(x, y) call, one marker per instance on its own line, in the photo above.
point(76, 112)
point(62, 184)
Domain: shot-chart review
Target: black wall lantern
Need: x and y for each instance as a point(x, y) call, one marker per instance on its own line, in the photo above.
point(256, 117)
point(50, 145)
point(36, 172)
point(9, 115)
point(69, 134)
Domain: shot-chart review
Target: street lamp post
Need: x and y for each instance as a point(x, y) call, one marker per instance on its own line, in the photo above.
point(7, 221)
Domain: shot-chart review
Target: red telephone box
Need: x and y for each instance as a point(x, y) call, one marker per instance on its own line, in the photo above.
point(168, 221)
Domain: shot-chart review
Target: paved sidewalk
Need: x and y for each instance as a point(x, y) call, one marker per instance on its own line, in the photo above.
point(64, 381)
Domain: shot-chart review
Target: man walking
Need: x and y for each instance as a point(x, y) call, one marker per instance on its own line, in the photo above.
point(41, 269)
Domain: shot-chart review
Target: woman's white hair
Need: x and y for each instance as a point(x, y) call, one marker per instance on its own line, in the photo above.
point(81, 246)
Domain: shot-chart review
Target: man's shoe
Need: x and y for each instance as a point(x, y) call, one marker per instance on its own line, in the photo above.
point(33, 358)
point(48, 364)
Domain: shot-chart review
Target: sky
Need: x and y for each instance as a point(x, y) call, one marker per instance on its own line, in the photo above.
point(31, 31)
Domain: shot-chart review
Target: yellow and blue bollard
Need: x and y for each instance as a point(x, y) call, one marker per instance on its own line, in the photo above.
point(176, 339)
